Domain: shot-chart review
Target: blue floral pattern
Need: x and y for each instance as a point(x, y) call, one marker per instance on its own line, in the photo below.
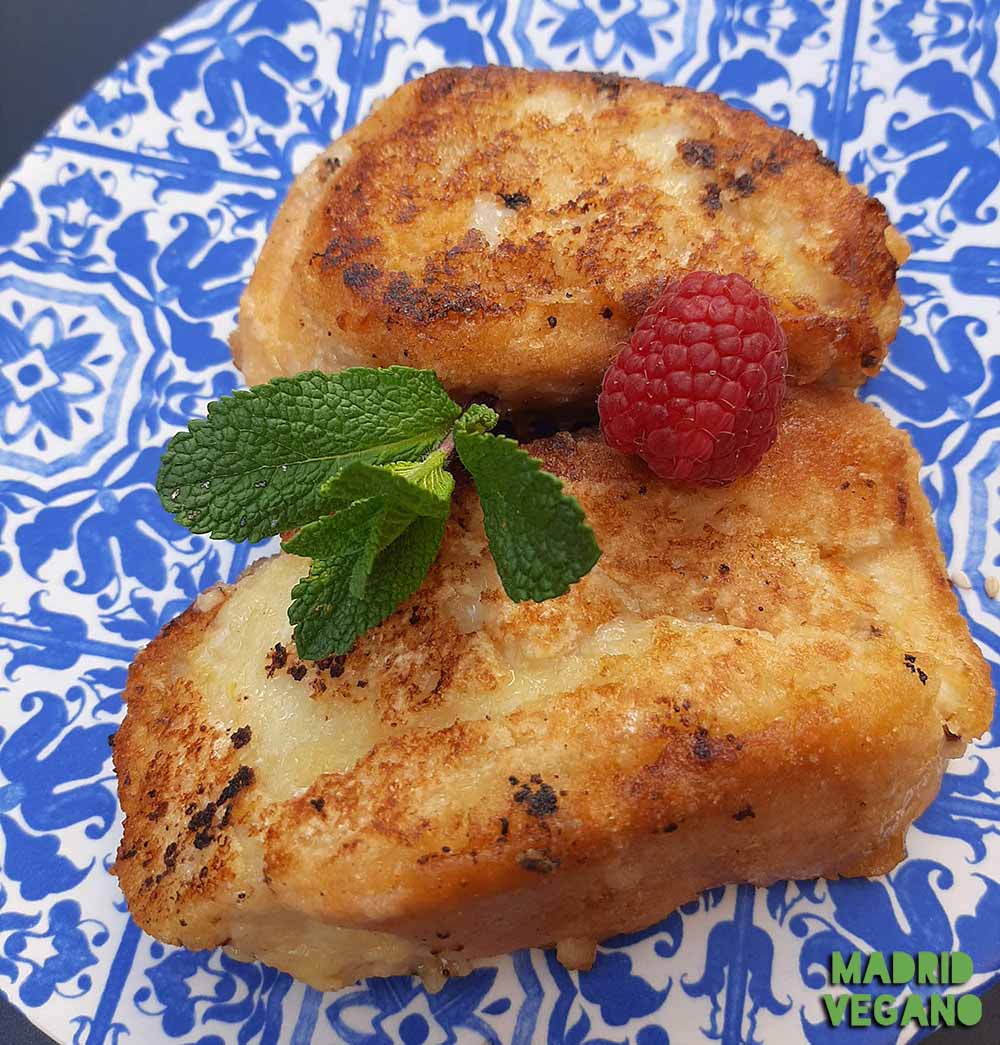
point(126, 237)
point(48, 377)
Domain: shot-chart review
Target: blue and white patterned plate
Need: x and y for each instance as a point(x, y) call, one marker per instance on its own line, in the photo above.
point(126, 236)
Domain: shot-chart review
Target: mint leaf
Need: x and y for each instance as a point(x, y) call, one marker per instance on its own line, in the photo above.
point(478, 418)
point(337, 535)
point(539, 538)
point(254, 466)
point(406, 490)
point(430, 474)
point(387, 499)
point(357, 533)
point(423, 488)
point(328, 617)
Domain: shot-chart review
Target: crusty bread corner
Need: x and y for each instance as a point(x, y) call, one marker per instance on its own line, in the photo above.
point(507, 227)
point(757, 682)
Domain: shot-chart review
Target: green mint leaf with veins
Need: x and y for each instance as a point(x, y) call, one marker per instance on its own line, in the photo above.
point(357, 533)
point(539, 537)
point(256, 464)
point(404, 490)
point(328, 615)
point(429, 474)
point(478, 418)
point(421, 488)
point(341, 534)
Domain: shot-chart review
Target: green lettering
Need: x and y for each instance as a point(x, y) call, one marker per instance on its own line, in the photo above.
point(877, 969)
point(861, 1007)
point(903, 967)
point(961, 968)
point(884, 1010)
point(969, 1010)
point(842, 972)
point(941, 1009)
point(913, 1009)
point(835, 1008)
point(927, 967)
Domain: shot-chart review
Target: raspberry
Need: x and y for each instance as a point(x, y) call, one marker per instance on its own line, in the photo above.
point(697, 390)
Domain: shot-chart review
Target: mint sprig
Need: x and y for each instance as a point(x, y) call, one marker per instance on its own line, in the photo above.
point(255, 466)
point(357, 462)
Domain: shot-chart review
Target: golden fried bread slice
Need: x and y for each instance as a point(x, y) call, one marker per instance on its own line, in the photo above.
point(506, 228)
point(755, 682)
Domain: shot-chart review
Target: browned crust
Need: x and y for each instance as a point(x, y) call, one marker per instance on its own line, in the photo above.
point(373, 260)
point(685, 805)
point(787, 719)
point(176, 859)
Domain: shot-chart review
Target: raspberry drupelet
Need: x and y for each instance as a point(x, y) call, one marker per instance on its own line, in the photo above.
point(697, 390)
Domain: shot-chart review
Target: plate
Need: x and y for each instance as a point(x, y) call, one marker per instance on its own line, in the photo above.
point(126, 236)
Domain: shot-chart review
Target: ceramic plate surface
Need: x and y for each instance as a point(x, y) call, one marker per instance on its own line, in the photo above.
point(126, 236)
